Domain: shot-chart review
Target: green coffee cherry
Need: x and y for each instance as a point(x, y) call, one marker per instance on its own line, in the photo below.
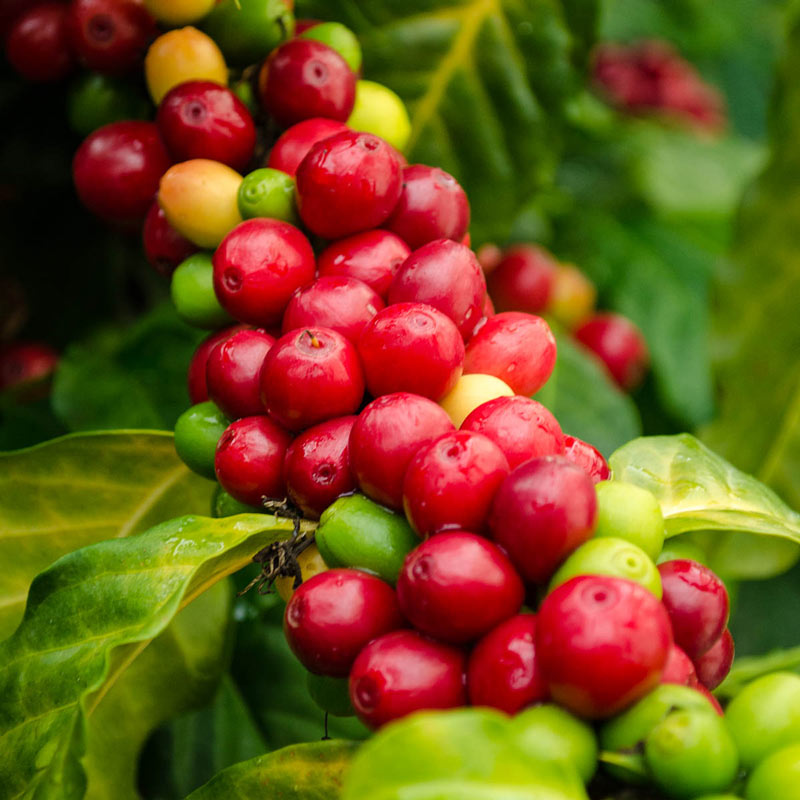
point(681, 547)
point(355, 532)
point(330, 694)
point(690, 752)
point(268, 192)
point(193, 294)
point(225, 505)
point(95, 100)
point(777, 777)
point(765, 716)
point(626, 511)
point(609, 556)
point(549, 733)
point(380, 111)
point(243, 89)
point(197, 432)
point(719, 797)
point(339, 38)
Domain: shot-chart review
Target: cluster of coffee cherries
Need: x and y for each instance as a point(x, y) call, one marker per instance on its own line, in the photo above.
point(527, 277)
point(650, 77)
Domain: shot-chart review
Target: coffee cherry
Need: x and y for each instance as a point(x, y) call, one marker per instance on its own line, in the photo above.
point(679, 669)
point(619, 344)
point(517, 348)
point(348, 183)
point(450, 484)
point(201, 119)
point(404, 672)
point(302, 79)
point(25, 366)
point(311, 563)
point(379, 110)
point(410, 347)
point(338, 37)
point(502, 671)
point(715, 663)
point(178, 12)
point(332, 616)
point(294, 143)
point(317, 466)
point(311, 375)
point(520, 427)
point(572, 297)
point(588, 458)
point(192, 292)
point(117, 170)
point(372, 257)
point(777, 776)
point(197, 432)
point(343, 304)
point(258, 266)
point(626, 511)
point(95, 100)
point(268, 193)
point(446, 275)
point(386, 436)
point(543, 511)
point(164, 247)
point(602, 643)
point(523, 280)
point(471, 392)
point(196, 374)
point(249, 459)
point(37, 44)
point(697, 603)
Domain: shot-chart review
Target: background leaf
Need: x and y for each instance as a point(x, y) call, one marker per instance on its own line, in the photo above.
point(70, 492)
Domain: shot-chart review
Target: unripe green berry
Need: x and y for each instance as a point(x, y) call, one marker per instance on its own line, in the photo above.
point(197, 432)
point(193, 294)
point(626, 511)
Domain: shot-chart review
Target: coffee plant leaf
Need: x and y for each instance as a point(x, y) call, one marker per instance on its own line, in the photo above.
point(79, 489)
point(88, 618)
point(311, 771)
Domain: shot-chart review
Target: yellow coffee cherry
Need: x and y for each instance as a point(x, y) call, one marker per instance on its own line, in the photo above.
point(380, 111)
point(178, 12)
point(572, 297)
point(185, 54)
point(470, 392)
point(311, 564)
point(199, 198)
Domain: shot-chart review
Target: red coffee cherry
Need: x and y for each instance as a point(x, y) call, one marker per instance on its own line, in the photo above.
point(522, 428)
point(294, 143)
point(348, 183)
point(601, 643)
point(679, 668)
point(333, 615)
point(304, 78)
point(25, 366)
point(587, 457)
point(386, 436)
point(249, 459)
point(164, 247)
point(714, 665)
point(619, 344)
point(196, 382)
point(542, 511)
point(503, 671)
point(403, 672)
point(38, 46)
point(450, 484)
point(317, 465)
point(697, 603)
point(517, 348)
point(523, 280)
point(432, 206)
point(258, 266)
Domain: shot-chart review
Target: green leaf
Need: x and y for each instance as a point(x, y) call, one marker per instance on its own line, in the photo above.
point(88, 618)
point(700, 491)
point(298, 772)
point(482, 80)
point(80, 489)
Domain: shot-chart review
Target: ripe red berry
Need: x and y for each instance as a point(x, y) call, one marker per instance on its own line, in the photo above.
point(697, 602)
point(542, 511)
point(38, 46)
point(432, 206)
point(302, 79)
point(503, 671)
point(294, 143)
point(372, 257)
point(619, 344)
point(25, 363)
point(311, 375)
point(249, 459)
point(233, 373)
point(450, 483)
point(196, 375)
point(679, 668)
point(446, 275)
point(164, 247)
point(201, 119)
point(117, 169)
point(713, 666)
point(522, 428)
point(110, 35)
point(343, 304)
point(348, 183)
point(317, 466)
point(523, 280)
point(587, 458)
point(601, 643)
point(258, 266)
point(517, 348)
point(411, 347)
point(386, 436)
point(403, 672)
point(333, 615)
